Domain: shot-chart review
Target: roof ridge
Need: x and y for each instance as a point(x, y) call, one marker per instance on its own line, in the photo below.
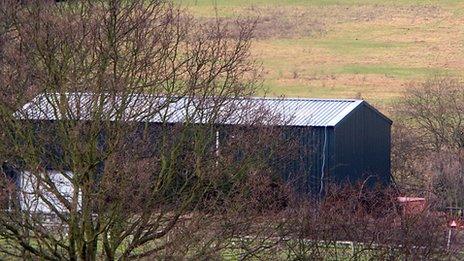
point(251, 97)
point(306, 99)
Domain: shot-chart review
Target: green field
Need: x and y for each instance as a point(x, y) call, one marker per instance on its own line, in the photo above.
point(343, 48)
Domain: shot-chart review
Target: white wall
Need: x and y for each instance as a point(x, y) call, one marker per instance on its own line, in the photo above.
point(32, 187)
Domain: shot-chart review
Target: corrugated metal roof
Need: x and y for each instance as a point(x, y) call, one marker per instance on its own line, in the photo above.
point(151, 108)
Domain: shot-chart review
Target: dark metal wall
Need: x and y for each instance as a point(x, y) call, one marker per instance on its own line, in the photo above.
point(304, 170)
point(357, 150)
point(362, 147)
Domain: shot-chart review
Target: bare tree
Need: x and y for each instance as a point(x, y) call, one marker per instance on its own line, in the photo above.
point(429, 122)
point(434, 111)
point(445, 177)
point(118, 156)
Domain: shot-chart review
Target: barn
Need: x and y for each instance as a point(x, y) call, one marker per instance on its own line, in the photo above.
point(349, 141)
point(340, 140)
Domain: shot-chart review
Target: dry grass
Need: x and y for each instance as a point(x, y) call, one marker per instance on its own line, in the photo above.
point(372, 50)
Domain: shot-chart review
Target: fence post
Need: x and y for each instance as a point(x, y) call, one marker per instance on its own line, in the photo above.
point(451, 227)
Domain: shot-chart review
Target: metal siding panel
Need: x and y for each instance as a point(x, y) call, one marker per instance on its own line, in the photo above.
point(363, 146)
point(304, 171)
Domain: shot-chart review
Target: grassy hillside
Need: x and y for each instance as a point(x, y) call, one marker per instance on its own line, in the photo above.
point(343, 48)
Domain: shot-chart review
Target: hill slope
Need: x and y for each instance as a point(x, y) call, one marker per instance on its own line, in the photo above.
point(343, 48)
